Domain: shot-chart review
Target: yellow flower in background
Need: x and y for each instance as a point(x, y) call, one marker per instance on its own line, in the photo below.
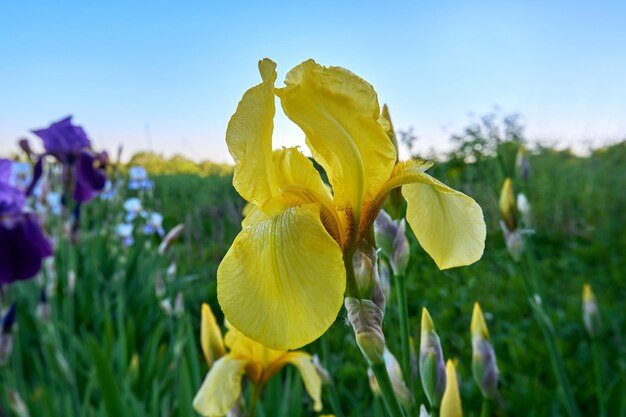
point(221, 388)
point(451, 402)
point(507, 205)
point(283, 280)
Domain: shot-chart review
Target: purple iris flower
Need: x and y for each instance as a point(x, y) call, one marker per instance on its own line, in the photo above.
point(22, 242)
point(71, 146)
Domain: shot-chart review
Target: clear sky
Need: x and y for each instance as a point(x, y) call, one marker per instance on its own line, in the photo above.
point(166, 75)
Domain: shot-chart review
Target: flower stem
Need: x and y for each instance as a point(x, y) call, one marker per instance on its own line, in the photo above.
point(254, 399)
point(597, 370)
point(556, 360)
point(485, 410)
point(405, 358)
point(386, 390)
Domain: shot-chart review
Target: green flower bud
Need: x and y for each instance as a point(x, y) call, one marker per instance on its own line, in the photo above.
point(366, 319)
point(591, 314)
point(484, 367)
point(431, 363)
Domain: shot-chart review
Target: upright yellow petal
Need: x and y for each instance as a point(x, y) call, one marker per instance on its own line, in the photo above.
point(283, 279)
point(310, 377)
point(210, 336)
point(221, 388)
point(338, 111)
point(451, 402)
point(448, 224)
point(249, 138)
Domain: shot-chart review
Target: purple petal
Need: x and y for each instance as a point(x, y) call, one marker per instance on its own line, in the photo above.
point(22, 248)
point(62, 139)
point(89, 179)
point(12, 200)
point(5, 170)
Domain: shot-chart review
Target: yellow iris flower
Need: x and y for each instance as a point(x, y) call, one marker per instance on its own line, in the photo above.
point(283, 280)
point(221, 388)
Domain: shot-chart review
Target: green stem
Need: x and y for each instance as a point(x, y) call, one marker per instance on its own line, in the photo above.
point(254, 399)
point(386, 390)
point(434, 412)
point(352, 290)
point(403, 310)
point(597, 370)
point(547, 328)
point(485, 410)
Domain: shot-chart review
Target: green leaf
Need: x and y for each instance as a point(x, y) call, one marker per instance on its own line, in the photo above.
point(109, 390)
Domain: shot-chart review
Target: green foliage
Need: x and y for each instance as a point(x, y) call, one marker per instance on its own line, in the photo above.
point(157, 164)
point(109, 349)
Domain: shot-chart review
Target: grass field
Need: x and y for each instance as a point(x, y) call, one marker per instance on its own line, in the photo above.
point(111, 347)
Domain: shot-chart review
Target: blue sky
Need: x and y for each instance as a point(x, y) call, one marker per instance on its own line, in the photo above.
point(166, 76)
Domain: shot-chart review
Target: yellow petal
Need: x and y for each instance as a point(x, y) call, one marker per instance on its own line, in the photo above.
point(448, 224)
point(249, 138)
point(311, 379)
point(478, 327)
point(451, 402)
point(259, 357)
point(221, 388)
point(338, 111)
point(210, 336)
point(283, 279)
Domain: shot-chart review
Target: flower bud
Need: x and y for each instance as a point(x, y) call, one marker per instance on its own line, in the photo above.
point(366, 319)
point(514, 240)
point(523, 206)
point(451, 402)
point(211, 338)
point(507, 205)
point(384, 276)
point(171, 237)
point(397, 381)
point(71, 281)
point(522, 163)
point(484, 365)
point(179, 305)
point(431, 364)
point(159, 286)
point(591, 313)
point(391, 238)
point(366, 273)
point(17, 404)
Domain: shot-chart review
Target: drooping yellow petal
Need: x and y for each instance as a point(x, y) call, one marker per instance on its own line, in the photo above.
point(283, 279)
point(311, 379)
point(451, 402)
point(249, 138)
point(210, 336)
point(338, 111)
point(221, 388)
point(448, 224)
point(478, 327)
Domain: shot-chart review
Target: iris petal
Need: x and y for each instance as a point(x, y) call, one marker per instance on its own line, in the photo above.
point(249, 138)
point(221, 388)
point(310, 377)
point(210, 336)
point(283, 279)
point(448, 224)
point(338, 111)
